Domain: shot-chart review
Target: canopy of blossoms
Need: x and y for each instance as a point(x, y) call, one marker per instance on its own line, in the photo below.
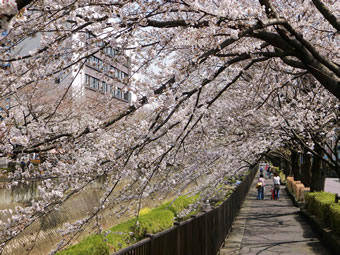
point(218, 84)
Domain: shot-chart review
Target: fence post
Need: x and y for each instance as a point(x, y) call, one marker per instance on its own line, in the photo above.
point(178, 243)
point(337, 198)
point(194, 235)
point(205, 252)
point(151, 251)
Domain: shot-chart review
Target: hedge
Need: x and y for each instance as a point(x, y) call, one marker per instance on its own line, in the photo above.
point(311, 202)
point(179, 204)
point(93, 245)
point(319, 204)
point(153, 222)
point(133, 230)
point(335, 217)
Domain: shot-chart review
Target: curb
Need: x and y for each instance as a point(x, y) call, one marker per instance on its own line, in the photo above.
point(327, 236)
point(292, 197)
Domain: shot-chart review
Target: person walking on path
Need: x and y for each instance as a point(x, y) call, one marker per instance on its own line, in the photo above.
point(269, 227)
point(276, 184)
point(260, 187)
point(22, 165)
point(269, 172)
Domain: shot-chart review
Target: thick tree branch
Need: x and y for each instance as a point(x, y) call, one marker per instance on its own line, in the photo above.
point(327, 14)
point(176, 23)
point(22, 3)
point(323, 74)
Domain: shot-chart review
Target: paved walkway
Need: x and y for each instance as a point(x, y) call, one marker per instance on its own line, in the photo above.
point(332, 185)
point(271, 227)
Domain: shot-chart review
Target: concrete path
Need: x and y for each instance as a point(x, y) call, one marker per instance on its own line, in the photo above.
point(271, 227)
point(332, 185)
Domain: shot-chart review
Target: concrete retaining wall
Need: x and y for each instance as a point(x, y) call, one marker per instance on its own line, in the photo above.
point(43, 235)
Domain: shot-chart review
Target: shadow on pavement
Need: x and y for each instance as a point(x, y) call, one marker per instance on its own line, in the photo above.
point(273, 227)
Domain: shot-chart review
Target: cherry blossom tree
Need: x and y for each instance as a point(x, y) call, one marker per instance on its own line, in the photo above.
point(218, 85)
point(315, 133)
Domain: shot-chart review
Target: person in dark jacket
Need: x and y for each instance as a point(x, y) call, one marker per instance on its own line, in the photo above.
point(22, 165)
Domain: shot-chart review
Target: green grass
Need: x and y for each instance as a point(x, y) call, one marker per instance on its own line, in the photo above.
point(93, 245)
point(144, 211)
point(153, 222)
point(121, 235)
point(179, 204)
point(133, 230)
point(149, 221)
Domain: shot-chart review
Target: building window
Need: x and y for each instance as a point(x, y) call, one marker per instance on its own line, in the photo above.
point(126, 96)
point(92, 82)
point(100, 44)
point(119, 93)
point(106, 68)
point(87, 80)
point(104, 87)
point(117, 73)
point(111, 90)
point(90, 35)
point(110, 51)
point(124, 75)
point(95, 83)
point(95, 62)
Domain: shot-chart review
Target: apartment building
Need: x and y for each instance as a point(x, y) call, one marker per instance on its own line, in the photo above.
point(101, 85)
point(105, 73)
point(103, 77)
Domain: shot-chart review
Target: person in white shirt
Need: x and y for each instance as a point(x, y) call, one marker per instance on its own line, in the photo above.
point(276, 182)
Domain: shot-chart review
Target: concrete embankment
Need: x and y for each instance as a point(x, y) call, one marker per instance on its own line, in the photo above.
point(43, 235)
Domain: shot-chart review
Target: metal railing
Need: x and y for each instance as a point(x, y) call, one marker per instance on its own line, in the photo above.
point(202, 234)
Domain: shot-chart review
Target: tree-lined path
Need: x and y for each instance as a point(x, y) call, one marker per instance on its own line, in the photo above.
point(271, 227)
point(215, 87)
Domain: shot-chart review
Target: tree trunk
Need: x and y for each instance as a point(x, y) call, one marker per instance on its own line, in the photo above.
point(284, 166)
point(288, 168)
point(306, 173)
point(295, 165)
point(318, 173)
